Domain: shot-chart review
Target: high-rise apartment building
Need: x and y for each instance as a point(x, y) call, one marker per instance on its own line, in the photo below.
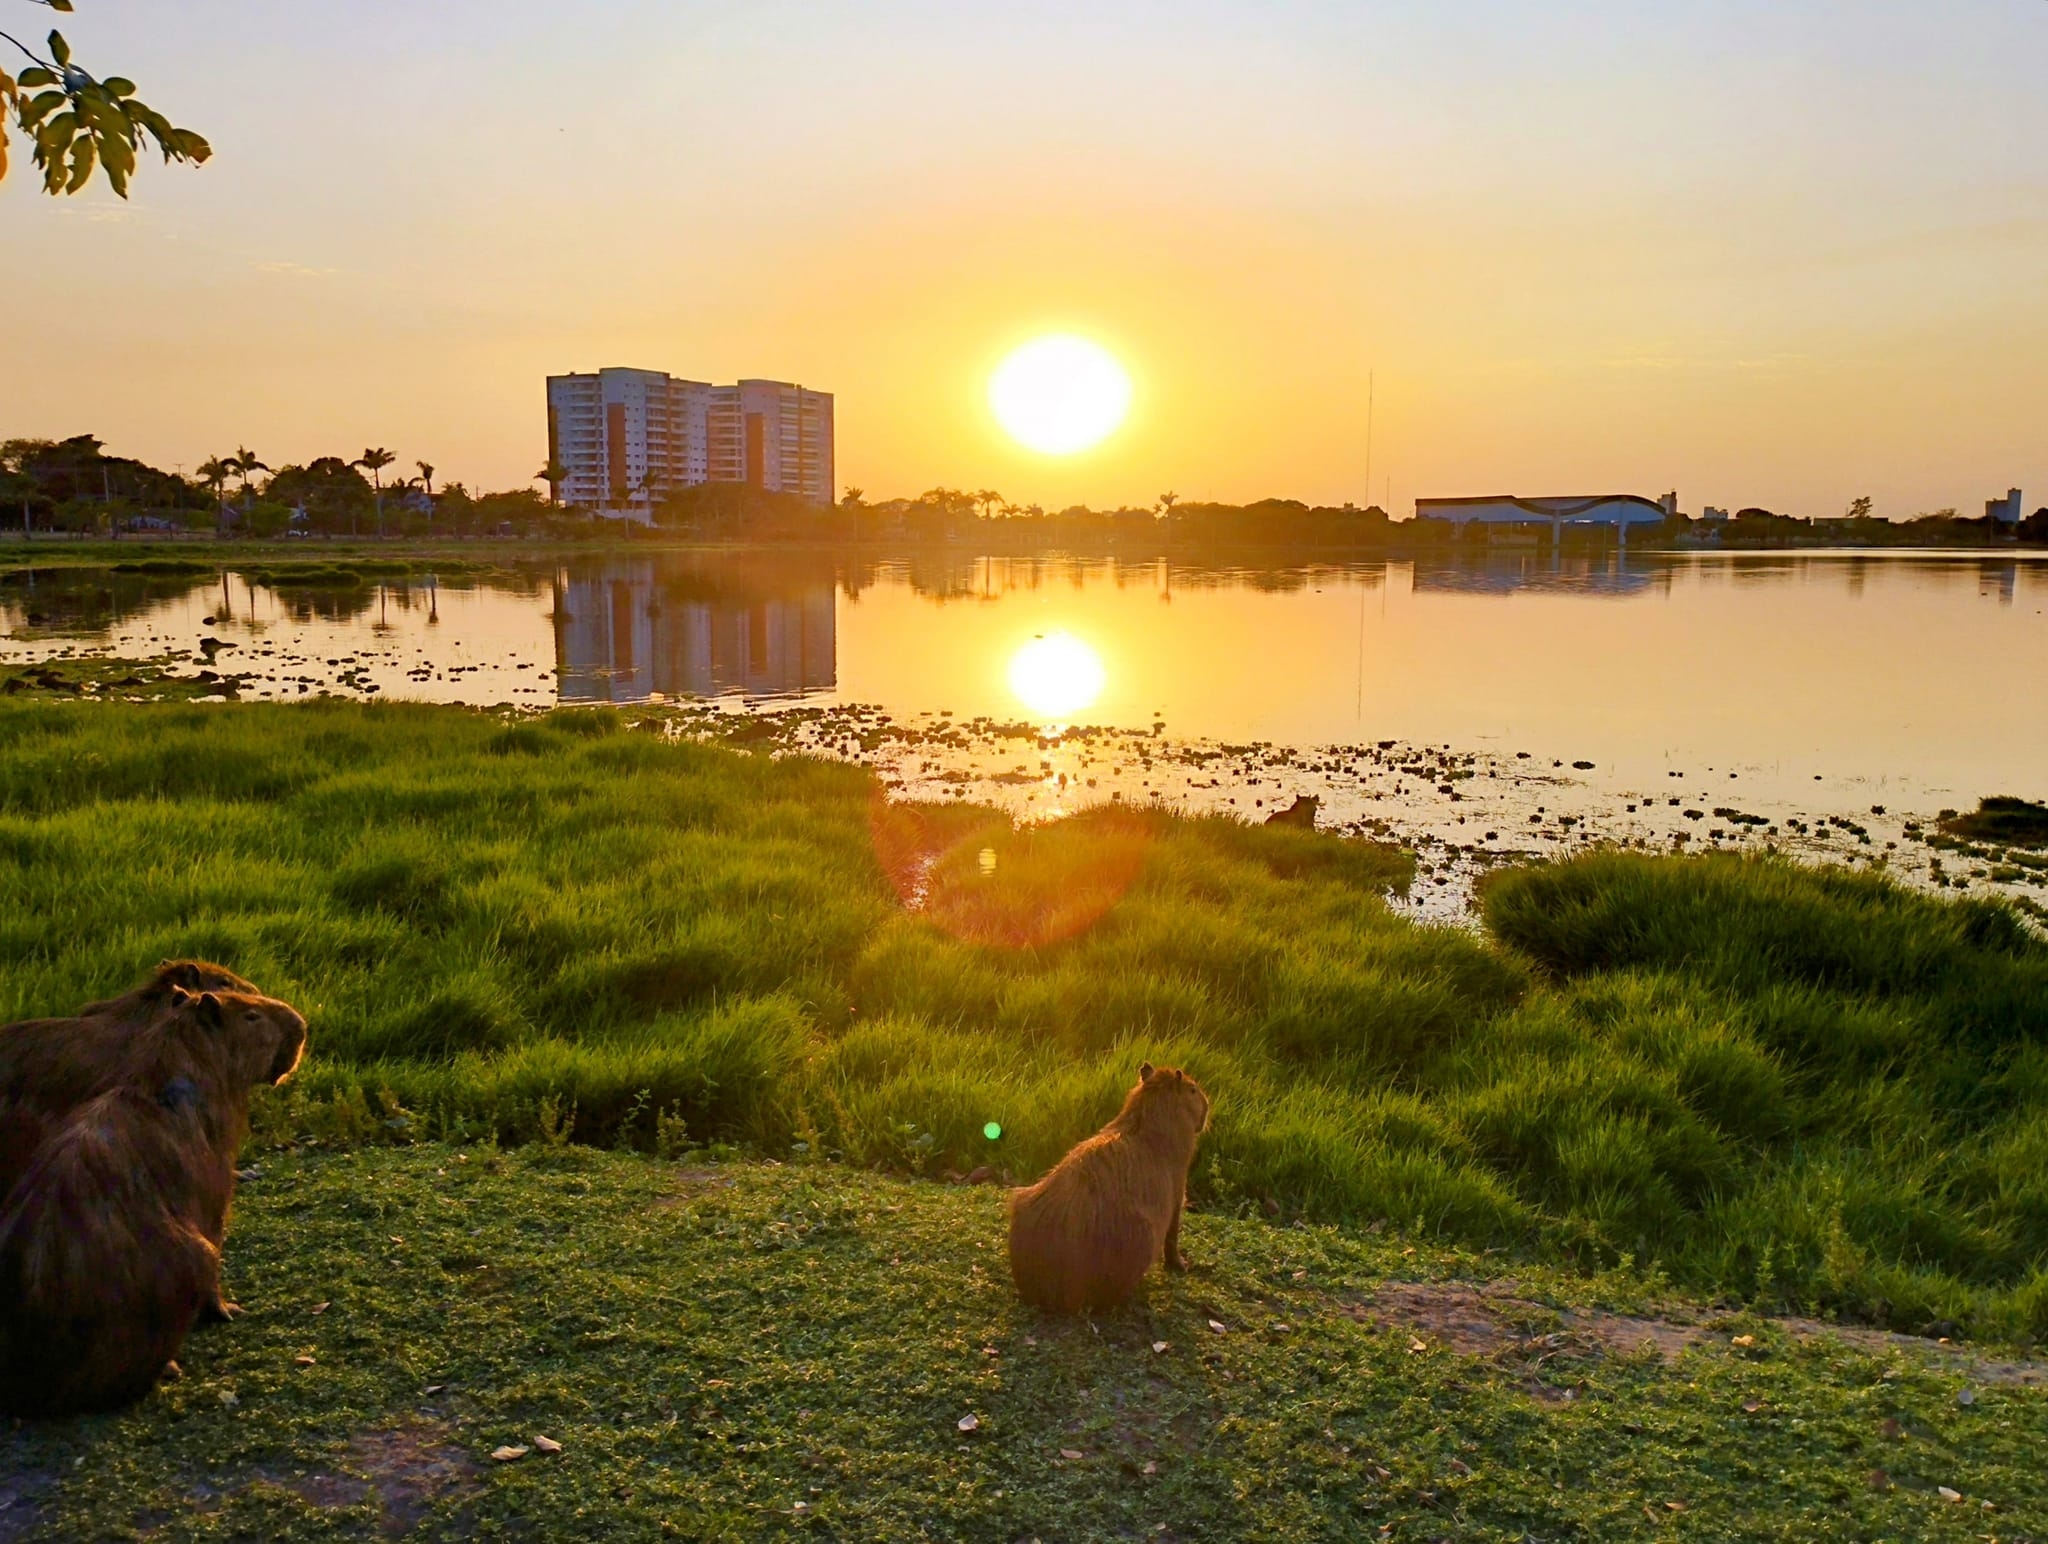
point(626, 438)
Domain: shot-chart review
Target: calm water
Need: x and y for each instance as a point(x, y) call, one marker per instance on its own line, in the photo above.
point(1783, 685)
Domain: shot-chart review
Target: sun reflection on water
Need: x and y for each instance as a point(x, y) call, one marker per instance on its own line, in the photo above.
point(1056, 675)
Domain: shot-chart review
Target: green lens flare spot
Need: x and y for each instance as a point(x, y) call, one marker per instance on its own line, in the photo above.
point(992, 1131)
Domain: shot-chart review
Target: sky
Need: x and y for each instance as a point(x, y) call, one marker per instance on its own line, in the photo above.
point(1780, 254)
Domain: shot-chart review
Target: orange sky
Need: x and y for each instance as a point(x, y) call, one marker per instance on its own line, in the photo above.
point(1777, 254)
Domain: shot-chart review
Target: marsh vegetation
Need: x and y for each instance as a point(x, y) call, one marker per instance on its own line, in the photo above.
point(1787, 1087)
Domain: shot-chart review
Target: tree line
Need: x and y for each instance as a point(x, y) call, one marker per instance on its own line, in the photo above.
point(74, 487)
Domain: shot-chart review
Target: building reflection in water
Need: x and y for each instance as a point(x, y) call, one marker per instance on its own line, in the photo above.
point(1510, 573)
point(627, 630)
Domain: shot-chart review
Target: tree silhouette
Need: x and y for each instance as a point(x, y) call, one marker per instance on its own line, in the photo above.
point(243, 464)
point(1167, 501)
point(214, 473)
point(554, 474)
point(374, 461)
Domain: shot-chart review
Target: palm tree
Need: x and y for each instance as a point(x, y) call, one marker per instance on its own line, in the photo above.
point(427, 487)
point(1167, 501)
point(243, 464)
point(554, 474)
point(374, 461)
point(214, 473)
point(987, 500)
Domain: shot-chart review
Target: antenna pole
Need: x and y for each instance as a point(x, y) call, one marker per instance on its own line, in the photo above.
point(1370, 381)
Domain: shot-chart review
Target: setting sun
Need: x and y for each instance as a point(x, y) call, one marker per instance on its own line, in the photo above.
point(1056, 674)
point(1060, 394)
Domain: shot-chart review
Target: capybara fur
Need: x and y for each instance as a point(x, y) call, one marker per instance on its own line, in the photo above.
point(1084, 1236)
point(49, 1067)
point(110, 1243)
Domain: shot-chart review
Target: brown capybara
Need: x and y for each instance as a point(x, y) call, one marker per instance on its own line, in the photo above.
point(1084, 1236)
point(48, 1067)
point(110, 1244)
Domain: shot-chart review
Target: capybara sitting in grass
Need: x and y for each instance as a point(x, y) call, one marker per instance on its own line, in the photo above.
point(110, 1244)
point(48, 1067)
point(1084, 1236)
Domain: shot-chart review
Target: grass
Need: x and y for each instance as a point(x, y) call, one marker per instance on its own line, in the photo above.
point(1781, 1087)
point(745, 1351)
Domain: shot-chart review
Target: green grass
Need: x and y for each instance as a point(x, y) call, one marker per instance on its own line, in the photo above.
point(1783, 1087)
point(713, 1345)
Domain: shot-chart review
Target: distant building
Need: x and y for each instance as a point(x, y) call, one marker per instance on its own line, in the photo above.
point(1713, 514)
point(2006, 510)
point(771, 435)
point(627, 438)
point(1617, 510)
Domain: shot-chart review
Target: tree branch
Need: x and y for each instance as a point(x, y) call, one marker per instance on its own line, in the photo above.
point(34, 58)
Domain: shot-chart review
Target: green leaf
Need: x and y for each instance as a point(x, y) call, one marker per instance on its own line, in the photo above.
point(116, 154)
point(59, 49)
point(36, 75)
point(58, 5)
point(117, 178)
point(119, 85)
point(191, 146)
point(82, 158)
point(40, 107)
point(58, 132)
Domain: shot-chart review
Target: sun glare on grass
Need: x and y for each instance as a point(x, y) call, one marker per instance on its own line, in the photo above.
point(1056, 675)
point(1059, 395)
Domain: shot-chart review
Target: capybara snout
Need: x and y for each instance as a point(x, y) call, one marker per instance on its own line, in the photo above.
point(267, 1035)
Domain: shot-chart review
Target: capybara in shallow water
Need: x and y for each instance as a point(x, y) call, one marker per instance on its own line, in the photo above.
point(110, 1244)
point(48, 1067)
point(1084, 1236)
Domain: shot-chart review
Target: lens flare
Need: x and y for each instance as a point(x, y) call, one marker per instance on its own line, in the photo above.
point(1056, 675)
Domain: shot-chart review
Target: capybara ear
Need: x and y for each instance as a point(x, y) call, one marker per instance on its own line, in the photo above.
point(180, 998)
point(181, 973)
point(1145, 1071)
point(207, 1005)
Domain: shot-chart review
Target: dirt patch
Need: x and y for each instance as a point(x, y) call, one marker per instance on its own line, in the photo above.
point(1490, 1321)
point(407, 1469)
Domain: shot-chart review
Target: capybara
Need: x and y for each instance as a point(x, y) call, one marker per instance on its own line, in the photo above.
point(48, 1067)
point(110, 1244)
point(1084, 1236)
point(1302, 812)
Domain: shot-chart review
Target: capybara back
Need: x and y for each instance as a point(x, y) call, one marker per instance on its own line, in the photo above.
point(1085, 1234)
point(49, 1067)
point(109, 1243)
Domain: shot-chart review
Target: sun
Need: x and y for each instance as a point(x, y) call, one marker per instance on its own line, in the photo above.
point(1056, 675)
point(1060, 394)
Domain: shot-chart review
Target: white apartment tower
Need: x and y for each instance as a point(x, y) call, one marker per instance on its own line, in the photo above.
point(628, 437)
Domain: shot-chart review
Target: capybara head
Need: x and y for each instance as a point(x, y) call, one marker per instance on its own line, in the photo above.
point(262, 1037)
point(154, 995)
point(1168, 1098)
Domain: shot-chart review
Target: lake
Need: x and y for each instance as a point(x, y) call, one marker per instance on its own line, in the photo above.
point(1825, 702)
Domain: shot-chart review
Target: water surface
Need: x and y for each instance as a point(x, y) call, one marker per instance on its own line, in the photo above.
point(1513, 703)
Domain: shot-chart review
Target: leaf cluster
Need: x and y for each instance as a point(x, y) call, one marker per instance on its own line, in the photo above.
point(74, 123)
